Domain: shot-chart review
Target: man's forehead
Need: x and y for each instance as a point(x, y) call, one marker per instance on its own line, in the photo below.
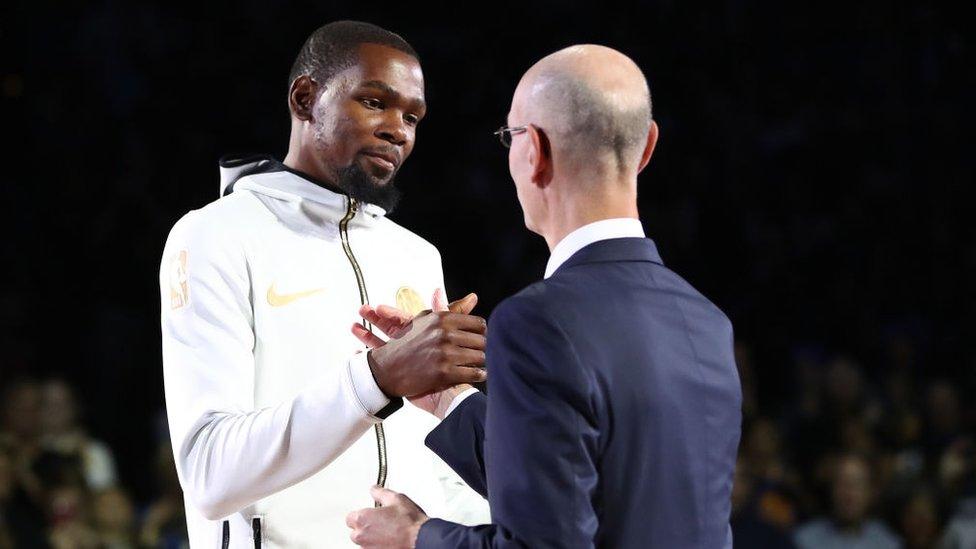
point(388, 70)
point(376, 60)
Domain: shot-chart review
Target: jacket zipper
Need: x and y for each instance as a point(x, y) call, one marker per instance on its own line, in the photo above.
point(256, 528)
point(351, 210)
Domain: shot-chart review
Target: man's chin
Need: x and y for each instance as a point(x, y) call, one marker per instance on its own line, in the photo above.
point(379, 175)
point(367, 187)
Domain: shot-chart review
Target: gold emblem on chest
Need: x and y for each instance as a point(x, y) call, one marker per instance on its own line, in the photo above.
point(408, 300)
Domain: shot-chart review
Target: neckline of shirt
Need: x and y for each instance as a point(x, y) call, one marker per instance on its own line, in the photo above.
point(604, 229)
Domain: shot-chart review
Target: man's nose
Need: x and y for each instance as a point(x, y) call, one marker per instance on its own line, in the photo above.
point(394, 130)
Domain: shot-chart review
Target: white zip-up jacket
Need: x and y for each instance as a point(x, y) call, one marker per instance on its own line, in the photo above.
point(270, 400)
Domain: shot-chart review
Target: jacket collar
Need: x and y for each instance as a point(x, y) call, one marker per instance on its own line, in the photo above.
point(266, 175)
point(604, 229)
point(614, 249)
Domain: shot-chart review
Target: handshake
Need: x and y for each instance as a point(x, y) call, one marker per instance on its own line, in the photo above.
point(429, 358)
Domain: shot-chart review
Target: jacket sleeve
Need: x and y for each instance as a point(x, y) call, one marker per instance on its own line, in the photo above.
point(540, 442)
point(229, 454)
point(460, 439)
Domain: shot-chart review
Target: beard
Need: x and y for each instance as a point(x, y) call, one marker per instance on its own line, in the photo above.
point(364, 188)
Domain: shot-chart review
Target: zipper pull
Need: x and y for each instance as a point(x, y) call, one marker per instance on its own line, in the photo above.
point(353, 205)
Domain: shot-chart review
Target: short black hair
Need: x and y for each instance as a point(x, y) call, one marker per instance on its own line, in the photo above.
point(332, 48)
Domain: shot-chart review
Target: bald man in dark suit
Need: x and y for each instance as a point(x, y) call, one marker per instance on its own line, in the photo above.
point(613, 415)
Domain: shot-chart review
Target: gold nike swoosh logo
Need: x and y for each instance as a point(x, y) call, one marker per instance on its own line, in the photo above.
point(280, 300)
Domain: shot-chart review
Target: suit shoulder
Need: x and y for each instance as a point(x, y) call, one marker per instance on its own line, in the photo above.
point(525, 334)
point(550, 296)
point(533, 305)
point(694, 294)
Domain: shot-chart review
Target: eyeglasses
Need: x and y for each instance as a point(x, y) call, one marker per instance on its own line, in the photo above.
point(505, 134)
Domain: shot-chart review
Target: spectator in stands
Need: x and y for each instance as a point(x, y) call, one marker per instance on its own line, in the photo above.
point(960, 533)
point(957, 480)
point(942, 417)
point(68, 517)
point(919, 519)
point(114, 519)
point(21, 434)
point(164, 523)
point(902, 426)
point(760, 517)
point(850, 525)
point(21, 492)
point(64, 434)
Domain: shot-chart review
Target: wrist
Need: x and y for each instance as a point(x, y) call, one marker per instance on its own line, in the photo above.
point(376, 370)
point(415, 530)
point(444, 403)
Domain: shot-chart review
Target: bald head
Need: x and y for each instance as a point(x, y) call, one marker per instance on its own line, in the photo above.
point(592, 101)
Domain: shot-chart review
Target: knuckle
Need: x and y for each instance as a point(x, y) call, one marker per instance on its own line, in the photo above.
point(445, 354)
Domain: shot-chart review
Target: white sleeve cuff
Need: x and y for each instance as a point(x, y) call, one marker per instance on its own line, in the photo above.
point(459, 399)
point(370, 396)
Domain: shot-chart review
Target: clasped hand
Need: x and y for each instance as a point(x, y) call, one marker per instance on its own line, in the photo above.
point(430, 357)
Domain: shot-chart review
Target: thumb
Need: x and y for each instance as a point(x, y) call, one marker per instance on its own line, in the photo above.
point(464, 305)
point(439, 301)
point(383, 496)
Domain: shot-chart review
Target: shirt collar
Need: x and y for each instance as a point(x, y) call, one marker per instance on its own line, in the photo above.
point(605, 229)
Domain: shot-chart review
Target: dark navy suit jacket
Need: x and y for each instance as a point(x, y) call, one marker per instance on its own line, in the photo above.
point(613, 414)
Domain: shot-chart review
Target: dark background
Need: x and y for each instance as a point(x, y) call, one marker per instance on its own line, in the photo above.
point(811, 178)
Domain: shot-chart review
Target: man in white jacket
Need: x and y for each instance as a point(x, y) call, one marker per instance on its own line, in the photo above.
point(269, 396)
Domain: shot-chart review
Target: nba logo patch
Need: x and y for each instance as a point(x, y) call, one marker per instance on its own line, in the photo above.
point(179, 288)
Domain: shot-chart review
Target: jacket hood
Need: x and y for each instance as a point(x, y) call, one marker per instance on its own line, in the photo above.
point(236, 170)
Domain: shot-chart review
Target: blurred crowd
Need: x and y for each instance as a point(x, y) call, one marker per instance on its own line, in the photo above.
point(837, 457)
point(59, 487)
point(853, 460)
point(812, 180)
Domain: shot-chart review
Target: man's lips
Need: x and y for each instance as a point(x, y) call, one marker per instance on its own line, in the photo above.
point(387, 160)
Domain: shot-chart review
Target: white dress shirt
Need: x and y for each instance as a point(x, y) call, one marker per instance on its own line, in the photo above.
point(605, 229)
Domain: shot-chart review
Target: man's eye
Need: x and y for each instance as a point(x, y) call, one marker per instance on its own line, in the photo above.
point(372, 103)
point(411, 119)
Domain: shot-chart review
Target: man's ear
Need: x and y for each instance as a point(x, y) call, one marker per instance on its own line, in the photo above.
point(540, 156)
point(301, 97)
point(648, 147)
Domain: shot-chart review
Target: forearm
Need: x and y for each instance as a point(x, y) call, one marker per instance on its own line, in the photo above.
point(230, 459)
